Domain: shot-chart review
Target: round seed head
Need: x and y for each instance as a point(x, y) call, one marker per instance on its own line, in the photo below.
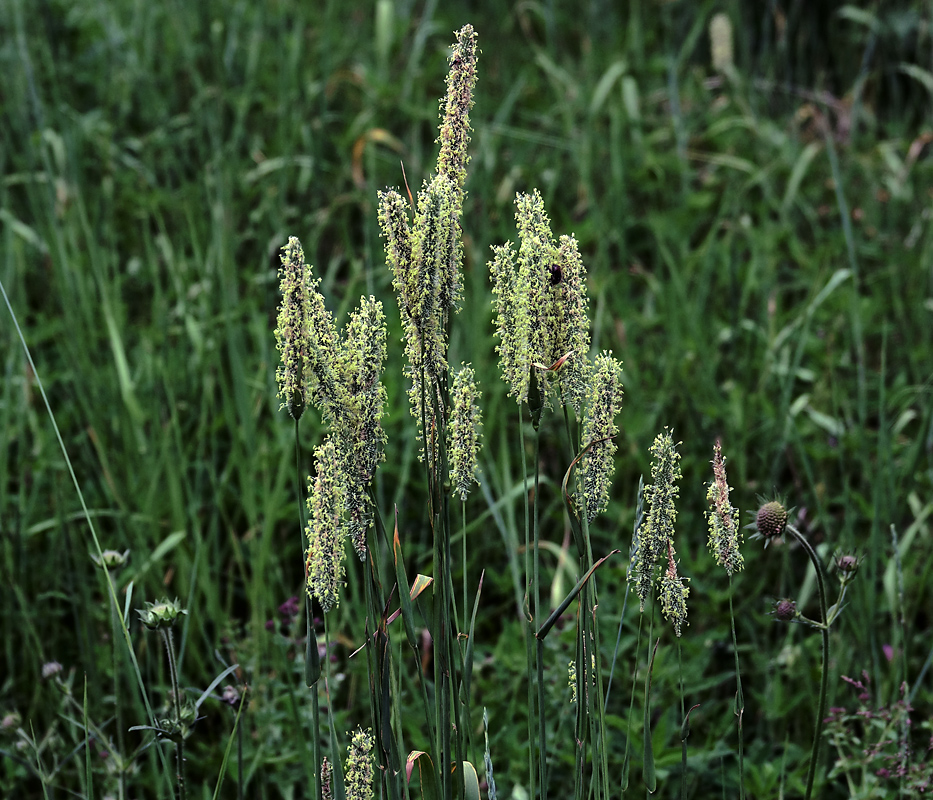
point(771, 519)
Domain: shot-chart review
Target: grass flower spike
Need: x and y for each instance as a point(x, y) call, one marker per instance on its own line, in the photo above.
point(326, 529)
point(674, 593)
point(541, 307)
point(465, 422)
point(307, 339)
point(455, 128)
point(658, 529)
point(361, 434)
point(603, 403)
point(360, 766)
point(426, 255)
point(291, 329)
point(725, 536)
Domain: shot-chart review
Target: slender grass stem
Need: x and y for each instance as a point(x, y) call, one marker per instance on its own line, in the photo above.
point(536, 593)
point(739, 698)
point(824, 678)
point(527, 627)
point(684, 724)
point(315, 707)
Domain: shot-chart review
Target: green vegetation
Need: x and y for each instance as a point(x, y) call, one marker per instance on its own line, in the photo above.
point(757, 243)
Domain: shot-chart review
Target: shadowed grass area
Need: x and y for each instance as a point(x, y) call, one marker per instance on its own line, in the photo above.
point(758, 246)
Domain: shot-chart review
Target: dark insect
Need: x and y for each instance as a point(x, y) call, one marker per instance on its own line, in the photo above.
point(556, 275)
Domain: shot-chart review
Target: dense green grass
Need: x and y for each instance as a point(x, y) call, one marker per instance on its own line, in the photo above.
point(759, 256)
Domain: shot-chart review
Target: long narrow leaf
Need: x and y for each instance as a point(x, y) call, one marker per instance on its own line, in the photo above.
point(555, 615)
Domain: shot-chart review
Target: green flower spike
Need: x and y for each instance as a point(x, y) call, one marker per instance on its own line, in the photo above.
point(658, 528)
point(361, 434)
point(426, 255)
point(360, 766)
point(291, 329)
point(725, 536)
point(307, 339)
point(454, 138)
point(465, 422)
point(455, 112)
point(324, 568)
point(603, 403)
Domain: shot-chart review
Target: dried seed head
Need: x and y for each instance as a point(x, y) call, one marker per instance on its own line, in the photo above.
point(724, 533)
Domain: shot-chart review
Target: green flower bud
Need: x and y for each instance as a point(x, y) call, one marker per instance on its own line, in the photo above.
point(111, 560)
point(161, 615)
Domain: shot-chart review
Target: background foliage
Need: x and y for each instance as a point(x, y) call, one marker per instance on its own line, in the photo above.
point(759, 246)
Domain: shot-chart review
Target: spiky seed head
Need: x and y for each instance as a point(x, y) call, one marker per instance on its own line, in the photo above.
point(771, 519)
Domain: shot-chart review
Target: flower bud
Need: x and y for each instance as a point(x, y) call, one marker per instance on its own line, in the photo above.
point(847, 565)
point(161, 615)
point(112, 559)
point(785, 610)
